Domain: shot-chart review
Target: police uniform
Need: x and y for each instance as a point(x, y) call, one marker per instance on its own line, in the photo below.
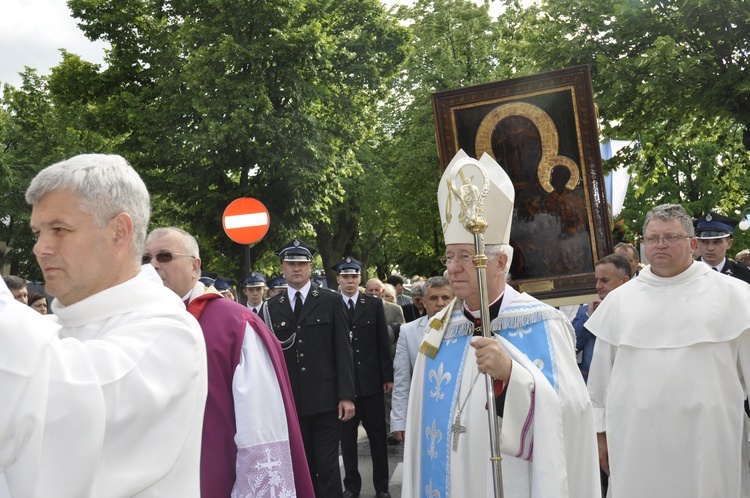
point(208, 278)
point(716, 226)
point(373, 368)
point(277, 284)
point(318, 357)
point(224, 285)
point(253, 281)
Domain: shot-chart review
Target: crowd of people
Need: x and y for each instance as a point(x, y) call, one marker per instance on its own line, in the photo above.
point(151, 376)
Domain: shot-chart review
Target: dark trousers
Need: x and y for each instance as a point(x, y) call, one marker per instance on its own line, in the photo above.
point(320, 435)
point(369, 409)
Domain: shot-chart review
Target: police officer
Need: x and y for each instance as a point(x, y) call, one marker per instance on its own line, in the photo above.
point(224, 286)
point(208, 278)
point(373, 377)
point(310, 322)
point(714, 233)
point(253, 287)
point(276, 285)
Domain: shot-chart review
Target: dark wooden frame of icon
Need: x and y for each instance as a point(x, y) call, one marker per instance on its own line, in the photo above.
point(542, 129)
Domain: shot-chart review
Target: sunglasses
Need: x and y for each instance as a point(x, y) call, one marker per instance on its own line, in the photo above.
point(162, 257)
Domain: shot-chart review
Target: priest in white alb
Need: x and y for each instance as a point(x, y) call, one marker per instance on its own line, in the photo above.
point(548, 442)
point(107, 400)
point(669, 373)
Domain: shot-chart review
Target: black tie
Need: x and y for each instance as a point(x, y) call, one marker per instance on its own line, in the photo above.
point(255, 311)
point(715, 269)
point(351, 310)
point(297, 304)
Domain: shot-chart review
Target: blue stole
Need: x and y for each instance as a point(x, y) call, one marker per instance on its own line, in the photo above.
point(439, 398)
point(524, 324)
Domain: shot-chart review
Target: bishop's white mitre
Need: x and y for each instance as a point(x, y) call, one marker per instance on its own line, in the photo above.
point(465, 172)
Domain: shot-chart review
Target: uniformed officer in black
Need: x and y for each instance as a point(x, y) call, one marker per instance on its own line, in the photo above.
point(310, 322)
point(253, 287)
point(276, 285)
point(714, 232)
point(373, 377)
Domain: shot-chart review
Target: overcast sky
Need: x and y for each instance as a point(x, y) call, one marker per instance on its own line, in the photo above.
point(32, 32)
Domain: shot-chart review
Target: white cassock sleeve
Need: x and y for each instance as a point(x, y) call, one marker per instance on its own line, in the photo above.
point(518, 416)
point(600, 372)
point(263, 451)
point(107, 417)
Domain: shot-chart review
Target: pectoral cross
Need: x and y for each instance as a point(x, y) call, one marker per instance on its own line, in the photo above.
point(457, 429)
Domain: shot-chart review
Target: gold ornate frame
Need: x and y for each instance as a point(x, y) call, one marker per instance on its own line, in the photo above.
point(542, 130)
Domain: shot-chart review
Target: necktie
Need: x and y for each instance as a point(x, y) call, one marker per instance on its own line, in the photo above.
point(255, 311)
point(715, 269)
point(351, 309)
point(297, 304)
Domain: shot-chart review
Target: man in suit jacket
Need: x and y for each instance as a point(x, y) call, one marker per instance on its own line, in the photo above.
point(310, 322)
point(415, 309)
point(373, 376)
point(437, 295)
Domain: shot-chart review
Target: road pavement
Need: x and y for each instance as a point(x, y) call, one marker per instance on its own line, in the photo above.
point(395, 466)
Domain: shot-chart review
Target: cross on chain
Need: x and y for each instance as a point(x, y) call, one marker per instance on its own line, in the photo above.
point(457, 429)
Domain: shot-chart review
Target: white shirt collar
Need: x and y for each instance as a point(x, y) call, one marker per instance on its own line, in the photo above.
point(347, 298)
point(292, 292)
point(718, 267)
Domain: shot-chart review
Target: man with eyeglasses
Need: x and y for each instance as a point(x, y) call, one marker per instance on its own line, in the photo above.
point(310, 323)
point(547, 440)
point(715, 236)
point(250, 416)
point(105, 398)
point(668, 380)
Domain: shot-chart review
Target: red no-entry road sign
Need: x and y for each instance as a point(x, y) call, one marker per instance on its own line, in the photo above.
point(246, 220)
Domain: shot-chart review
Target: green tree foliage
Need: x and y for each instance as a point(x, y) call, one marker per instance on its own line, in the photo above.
point(671, 76)
point(235, 98)
point(454, 43)
point(38, 127)
point(321, 109)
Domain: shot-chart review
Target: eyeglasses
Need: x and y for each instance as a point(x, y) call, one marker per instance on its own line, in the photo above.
point(668, 239)
point(162, 257)
point(463, 259)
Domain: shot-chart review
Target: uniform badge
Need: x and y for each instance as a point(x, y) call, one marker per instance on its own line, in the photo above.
point(315, 293)
point(296, 242)
point(282, 299)
point(361, 300)
point(709, 217)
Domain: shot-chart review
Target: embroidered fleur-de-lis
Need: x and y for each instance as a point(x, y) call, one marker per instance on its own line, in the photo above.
point(439, 377)
point(429, 492)
point(435, 435)
point(520, 332)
